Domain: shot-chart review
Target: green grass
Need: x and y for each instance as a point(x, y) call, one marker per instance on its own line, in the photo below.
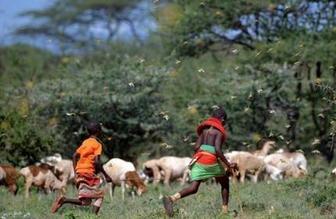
point(305, 198)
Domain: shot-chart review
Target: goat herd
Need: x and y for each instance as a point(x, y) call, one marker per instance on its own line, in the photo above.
point(54, 173)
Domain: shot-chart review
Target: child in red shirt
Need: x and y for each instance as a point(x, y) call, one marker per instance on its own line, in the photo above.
point(87, 163)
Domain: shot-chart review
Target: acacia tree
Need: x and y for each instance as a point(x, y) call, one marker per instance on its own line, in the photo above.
point(72, 23)
point(284, 47)
point(204, 26)
point(306, 69)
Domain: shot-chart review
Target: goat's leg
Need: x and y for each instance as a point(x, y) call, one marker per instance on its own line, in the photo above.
point(13, 188)
point(156, 174)
point(123, 185)
point(27, 187)
point(47, 186)
point(256, 175)
point(242, 175)
point(111, 189)
point(185, 176)
point(168, 174)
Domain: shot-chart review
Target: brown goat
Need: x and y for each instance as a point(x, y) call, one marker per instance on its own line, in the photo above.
point(8, 177)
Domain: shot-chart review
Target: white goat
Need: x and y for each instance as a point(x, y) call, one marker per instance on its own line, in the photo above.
point(169, 167)
point(123, 173)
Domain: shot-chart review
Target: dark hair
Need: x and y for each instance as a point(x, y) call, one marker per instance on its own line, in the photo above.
point(219, 113)
point(93, 128)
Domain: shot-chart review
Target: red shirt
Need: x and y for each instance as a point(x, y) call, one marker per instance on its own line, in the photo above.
point(89, 149)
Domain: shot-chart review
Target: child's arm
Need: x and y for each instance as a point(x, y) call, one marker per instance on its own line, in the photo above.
point(219, 153)
point(198, 143)
point(75, 159)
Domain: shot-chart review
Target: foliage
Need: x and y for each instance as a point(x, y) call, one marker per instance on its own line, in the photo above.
point(211, 25)
point(22, 65)
point(124, 96)
point(277, 83)
point(22, 141)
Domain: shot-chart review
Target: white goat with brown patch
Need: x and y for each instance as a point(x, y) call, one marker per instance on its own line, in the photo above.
point(151, 170)
point(247, 163)
point(123, 173)
point(41, 176)
point(62, 168)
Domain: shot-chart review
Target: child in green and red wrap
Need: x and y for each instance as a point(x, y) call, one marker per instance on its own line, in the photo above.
point(206, 161)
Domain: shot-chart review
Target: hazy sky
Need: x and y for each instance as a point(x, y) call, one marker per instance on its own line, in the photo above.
point(9, 15)
point(10, 20)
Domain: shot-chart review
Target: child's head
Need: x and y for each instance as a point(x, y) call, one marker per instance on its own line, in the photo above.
point(220, 114)
point(93, 128)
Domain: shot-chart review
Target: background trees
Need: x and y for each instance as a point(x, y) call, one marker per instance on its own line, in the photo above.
point(269, 64)
point(89, 24)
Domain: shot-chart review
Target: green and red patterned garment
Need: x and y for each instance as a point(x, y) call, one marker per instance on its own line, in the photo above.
point(206, 164)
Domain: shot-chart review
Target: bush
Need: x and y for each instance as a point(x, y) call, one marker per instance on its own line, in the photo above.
point(22, 141)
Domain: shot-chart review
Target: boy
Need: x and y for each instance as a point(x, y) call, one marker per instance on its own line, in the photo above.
point(208, 161)
point(86, 161)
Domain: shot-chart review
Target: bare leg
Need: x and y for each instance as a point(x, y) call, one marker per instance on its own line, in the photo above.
point(96, 205)
point(73, 201)
point(96, 209)
point(58, 203)
point(225, 190)
point(169, 200)
point(192, 189)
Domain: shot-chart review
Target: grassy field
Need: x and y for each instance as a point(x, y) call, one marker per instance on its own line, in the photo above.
point(311, 197)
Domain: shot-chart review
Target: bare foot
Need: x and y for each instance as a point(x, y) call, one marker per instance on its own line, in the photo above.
point(225, 209)
point(57, 204)
point(168, 205)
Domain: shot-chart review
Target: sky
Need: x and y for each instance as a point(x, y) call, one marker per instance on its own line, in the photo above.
point(10, 20)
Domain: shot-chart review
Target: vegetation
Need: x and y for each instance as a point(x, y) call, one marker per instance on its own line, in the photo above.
point(269, 64)
point(312, 197)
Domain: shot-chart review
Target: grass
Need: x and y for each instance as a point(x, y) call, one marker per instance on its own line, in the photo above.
point(311, 197)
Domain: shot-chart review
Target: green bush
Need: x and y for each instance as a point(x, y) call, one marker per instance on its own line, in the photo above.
point(22, 141)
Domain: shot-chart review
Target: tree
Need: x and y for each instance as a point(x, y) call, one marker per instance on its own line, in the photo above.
point(210, 26)
point(22, 141)
point(123, 95)
point(72, 22)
